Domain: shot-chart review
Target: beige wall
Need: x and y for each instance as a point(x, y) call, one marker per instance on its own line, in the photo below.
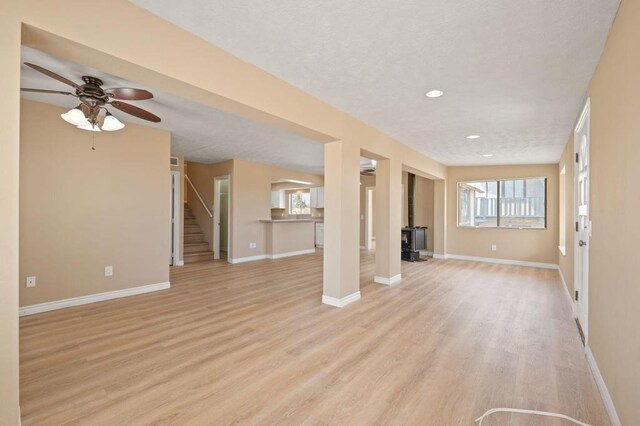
point(614, 255)
point(251, 201)
point(82, 210)
point(9, 181)
point(366, 181)
point(250, 189)
point(565, 260)
point(532, 245)
point(424, 207)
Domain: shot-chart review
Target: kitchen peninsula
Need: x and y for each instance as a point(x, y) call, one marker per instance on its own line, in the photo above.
point(289, 237)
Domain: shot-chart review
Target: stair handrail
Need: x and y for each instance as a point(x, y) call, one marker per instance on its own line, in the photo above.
point(199, 197)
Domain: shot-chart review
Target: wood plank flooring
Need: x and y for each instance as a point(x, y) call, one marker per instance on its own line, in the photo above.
point(252, 344)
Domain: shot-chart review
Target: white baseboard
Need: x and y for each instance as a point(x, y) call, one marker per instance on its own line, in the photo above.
point(388, 281)
point(247, 259)
point(340, 303)
point(91, 298)
point(569, 297)
point(602, 387)
point(498, 261)
point(291, 253)
point(270, 256)
point(179, 263)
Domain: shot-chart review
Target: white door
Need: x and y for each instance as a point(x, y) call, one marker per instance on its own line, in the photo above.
point(582, 221)
point(221, 214)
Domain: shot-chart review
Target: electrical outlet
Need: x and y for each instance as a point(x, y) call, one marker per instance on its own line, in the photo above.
point(494, 247)
point(31, 281)
point(108, 271)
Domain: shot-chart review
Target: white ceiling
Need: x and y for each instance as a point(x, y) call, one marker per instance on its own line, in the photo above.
point(198, 132)
point(514, 72)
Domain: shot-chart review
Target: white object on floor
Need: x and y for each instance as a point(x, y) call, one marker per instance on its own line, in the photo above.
point(538, 413)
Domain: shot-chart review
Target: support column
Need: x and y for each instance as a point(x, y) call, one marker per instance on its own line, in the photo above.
point(439, 219)
point(388, 212)
point(9, 205)
point(341, 278)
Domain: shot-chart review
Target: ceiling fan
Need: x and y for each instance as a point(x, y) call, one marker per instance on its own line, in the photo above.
point(93, 98)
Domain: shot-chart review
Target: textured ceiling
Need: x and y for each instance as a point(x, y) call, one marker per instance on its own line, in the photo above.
point(514, 72)
point(198, 132)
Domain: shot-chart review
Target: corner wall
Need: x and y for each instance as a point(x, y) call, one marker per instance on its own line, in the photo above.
point(9, 206)
point(614, 255)
point(529, 245)
point(82, 210)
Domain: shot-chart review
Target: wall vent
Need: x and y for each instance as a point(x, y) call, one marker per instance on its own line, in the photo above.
point(175, 161)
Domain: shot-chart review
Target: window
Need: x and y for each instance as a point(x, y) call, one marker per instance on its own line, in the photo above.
point(299, 203)
point(513, 203)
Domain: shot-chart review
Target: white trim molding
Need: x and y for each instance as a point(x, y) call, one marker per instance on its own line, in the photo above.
point(498, 261)
point(388, 281)
point(91, 298)
point(602, 387)
point(569, 298)
point(341, 303)
point(270, 256)
point(290, 253)
point(179, 263)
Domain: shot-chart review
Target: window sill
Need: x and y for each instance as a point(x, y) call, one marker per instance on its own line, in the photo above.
point(563, 250)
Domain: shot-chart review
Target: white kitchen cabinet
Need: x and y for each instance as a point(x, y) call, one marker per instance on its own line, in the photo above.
point(319, 234)
point(317, 197)
point(278, 200)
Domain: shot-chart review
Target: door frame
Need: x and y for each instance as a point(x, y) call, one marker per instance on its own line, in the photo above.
point(581, 277)
point(175, 200)
point(368, 216)
point(216, 215)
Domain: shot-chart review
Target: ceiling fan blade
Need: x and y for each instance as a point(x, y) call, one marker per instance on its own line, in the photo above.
point(135, 111)
point(56, 92)
point(53, 75)
point(128, 93)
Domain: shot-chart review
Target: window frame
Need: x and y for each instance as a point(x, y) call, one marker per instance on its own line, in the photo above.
point(498, 201)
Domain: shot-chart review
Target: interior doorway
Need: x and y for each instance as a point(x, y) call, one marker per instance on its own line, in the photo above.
point(221, 215)
point(175, 191)
point(582, 221)
point(369, 218)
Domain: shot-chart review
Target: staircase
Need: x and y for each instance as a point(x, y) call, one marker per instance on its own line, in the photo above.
point(196, 249)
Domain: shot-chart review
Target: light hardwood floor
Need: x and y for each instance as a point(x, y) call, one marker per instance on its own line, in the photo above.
point(251, 343)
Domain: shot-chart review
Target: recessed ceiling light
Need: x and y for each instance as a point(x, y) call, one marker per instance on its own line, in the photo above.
point(487, 155)
point(473, 137)
point(434, 93)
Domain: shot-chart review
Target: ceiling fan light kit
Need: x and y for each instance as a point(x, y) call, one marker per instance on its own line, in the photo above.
point(93, 98)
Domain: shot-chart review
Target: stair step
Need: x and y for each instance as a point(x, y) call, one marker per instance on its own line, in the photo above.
point(196, 247)
point(199, 256)
point(190, 221)
point(193, 238)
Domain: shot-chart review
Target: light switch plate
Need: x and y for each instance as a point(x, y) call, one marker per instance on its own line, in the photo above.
point(494, 247)
point(31, 282)
point(108, 271)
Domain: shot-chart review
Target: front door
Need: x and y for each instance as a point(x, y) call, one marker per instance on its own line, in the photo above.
point(582, 221)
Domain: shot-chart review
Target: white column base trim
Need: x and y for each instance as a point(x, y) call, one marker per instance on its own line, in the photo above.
point(602, 387)
point(388, 281)
point(569, 298)
point(498, 261)
point(179, 263)
point(91, 298)
point(270, 256)
point(340, 303)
